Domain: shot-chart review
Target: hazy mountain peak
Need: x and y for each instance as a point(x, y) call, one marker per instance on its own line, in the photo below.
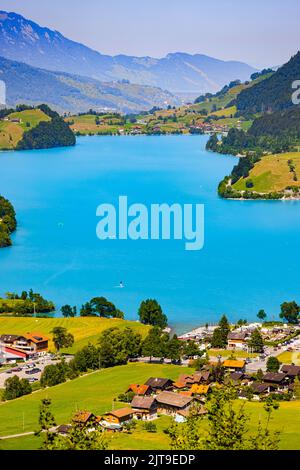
point(25, 41)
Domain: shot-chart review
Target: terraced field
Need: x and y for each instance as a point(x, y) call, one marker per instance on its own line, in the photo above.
point(85, 329)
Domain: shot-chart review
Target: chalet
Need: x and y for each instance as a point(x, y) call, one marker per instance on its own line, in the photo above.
point(182, 415)
point(158, 384)
point(170, 403)
point(237, 340)
point(262, 389)
point(119, 417)
point(278, 380)
point(139, 389)
point(84, 419)
point(144, 408)
point(234, 365)
point(291, 371)
point(237, 378)
point(202, 377)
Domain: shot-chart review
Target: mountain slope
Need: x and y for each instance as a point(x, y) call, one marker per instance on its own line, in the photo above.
point(25, 41)
point(70, 93)
point(274, 93)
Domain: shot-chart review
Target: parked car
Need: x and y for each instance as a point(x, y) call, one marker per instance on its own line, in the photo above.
point(33, 371)
point(8, 371)
point(32, 380)
point(17, 369)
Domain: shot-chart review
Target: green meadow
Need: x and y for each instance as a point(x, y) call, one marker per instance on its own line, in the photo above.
point(85, 329)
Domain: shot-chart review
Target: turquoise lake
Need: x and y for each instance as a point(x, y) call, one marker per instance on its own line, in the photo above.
point(250, 259)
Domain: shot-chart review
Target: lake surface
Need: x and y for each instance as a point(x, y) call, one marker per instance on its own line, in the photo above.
point(250, 259)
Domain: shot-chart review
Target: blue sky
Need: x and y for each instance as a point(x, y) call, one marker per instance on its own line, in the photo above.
point(260, 32)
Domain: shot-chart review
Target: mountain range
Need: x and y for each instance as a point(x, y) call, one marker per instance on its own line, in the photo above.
point(25, 41)
point(73, 93)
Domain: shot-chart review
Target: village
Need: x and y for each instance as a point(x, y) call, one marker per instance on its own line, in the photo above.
point(236, 366)
point(177, 399)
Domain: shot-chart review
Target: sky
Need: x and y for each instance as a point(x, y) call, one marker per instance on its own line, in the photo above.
point(259, 32)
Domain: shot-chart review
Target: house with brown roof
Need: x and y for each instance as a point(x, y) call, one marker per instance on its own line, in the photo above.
point(120, 417)
point(182, 415)
point(139, 389)
point(31, 343)
point(277, 379)
point(237, 340)
point(234, 365)
point(262, 389)
point(169, 402)
point(38, 342)
point(291, 371)
point(157, 384)
point(144, 408)
point(84, 418)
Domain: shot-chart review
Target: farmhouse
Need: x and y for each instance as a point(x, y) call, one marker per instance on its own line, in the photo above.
point(291, 371)
point(120, 417)
point(170, 403)
point(276, 378)
point(84, 418)
point(144, 408)
point(158, 384)
point(139, 389)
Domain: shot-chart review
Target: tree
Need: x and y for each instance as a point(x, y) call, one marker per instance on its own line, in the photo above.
point(226, 426)
point(297, 388)
point(191, 349)
point(87, 358)
point(153, 346)
point(46, 422)
point(290, 312)
point(174, 349)
point(273, 364)
point(259, 375)
point(54, 374)
point(15, 388)
point(103, 307)
point(62, 338)
point(150, 313)
point(262, 315)
point(116, 346)
point(256, 342)
point(68, 311)
point(78, 438)
point(100, 306)
point(219, 339)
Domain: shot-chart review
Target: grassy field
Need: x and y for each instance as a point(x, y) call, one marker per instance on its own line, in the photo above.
point(84, 329)
point(288, 357)
point(272, 173)
point(94, 392)
point(12, 132)
point(30, 116)
point(227, 353)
